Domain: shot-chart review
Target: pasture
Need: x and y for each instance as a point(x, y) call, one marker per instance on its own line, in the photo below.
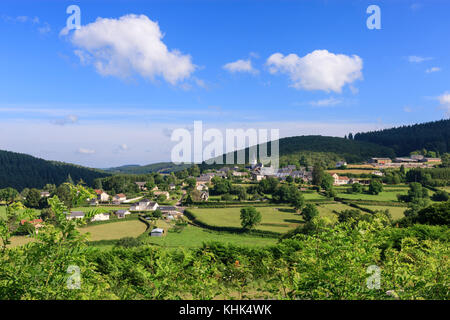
point(276, 219)
point(192, 236)
point(111, 231)
point(396, 212)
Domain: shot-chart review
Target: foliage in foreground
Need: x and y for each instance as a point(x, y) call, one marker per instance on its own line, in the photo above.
point(330, 262)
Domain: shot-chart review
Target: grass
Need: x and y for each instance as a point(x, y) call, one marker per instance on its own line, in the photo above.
point(396, 212)
point(111, 231)
point(276, 219)
point(192, 236)
point(326, 210)
point(382, 196)
point(19, 241)
point(312, 196)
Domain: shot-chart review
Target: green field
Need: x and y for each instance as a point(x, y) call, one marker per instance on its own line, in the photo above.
point(192, 236)
point(312, 196)
point(276, 219)
point(396, 212)
point(111, 231)
point(326, 210)
point(382, 196)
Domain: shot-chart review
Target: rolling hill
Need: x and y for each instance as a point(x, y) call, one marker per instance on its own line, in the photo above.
point(20, 171)
point(432, 136)
point(162, 167)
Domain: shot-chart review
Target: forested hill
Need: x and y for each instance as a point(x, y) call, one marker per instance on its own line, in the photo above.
point(162, 167)
point(325, 149)
point(20, 171)
point(432, 136)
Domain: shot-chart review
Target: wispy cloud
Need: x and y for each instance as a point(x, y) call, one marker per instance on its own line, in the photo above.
point(444, 100)
point(418, 59)
point(70, 119)
point(326, 102)
point(433, 69)
point(85, 151)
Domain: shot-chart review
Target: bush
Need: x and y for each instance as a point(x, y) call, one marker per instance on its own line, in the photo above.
point(128, 242)
point(440, 195)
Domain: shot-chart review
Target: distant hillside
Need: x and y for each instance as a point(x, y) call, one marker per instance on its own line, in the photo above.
point(162, 167)
point(326, 149)
point(432, 136)
point(20, 171)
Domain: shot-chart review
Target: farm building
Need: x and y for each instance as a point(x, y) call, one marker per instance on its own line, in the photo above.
point(122, 213)
point(380, 160)
point(75, 215)
point(100, 217)
point(144, 205)
point(157, 232)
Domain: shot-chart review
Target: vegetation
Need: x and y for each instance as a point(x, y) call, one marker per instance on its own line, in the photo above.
point(434, 136)
point(21, 171)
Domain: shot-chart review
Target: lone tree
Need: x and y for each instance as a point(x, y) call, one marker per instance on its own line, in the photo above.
point(250, 217)
point(309, 212)
point(375, 187)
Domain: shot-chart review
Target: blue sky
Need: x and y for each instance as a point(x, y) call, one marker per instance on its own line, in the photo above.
point(68, 97)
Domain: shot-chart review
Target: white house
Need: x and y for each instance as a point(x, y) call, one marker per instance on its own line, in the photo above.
point(340, 180)
point(144, 205)
point(157, 232)
point(102, 196)
point(101, 217)
point(201, 187)
point(340, 164)
point(165, 193)
point(119, 198)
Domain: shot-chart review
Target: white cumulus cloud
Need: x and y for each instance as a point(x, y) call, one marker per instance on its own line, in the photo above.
point(240, 66)
point(128, 45)
point(318, 70)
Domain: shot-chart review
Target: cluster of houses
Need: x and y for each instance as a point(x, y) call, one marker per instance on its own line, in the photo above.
point(414, 161)
point(169, 212)
point(260, 172)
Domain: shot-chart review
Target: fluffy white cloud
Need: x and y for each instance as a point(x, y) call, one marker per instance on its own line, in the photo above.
point(318, 70)
point(417, 59)
point(240, 66)
point(128, 45)
point(433, 69)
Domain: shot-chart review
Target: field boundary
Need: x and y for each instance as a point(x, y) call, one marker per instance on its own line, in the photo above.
point(198, 223)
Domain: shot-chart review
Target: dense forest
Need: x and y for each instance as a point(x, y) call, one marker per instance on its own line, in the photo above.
point(21, 171)
point(430, 136)
point(162, 167)
point(328, 149)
